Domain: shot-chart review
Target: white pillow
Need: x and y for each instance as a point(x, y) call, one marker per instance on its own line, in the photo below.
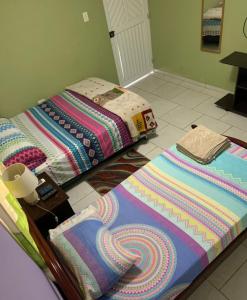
point(213, 13)
point(91, 87)
point(69, 223)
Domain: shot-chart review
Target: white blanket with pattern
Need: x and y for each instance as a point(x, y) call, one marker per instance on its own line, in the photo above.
point(131, 107)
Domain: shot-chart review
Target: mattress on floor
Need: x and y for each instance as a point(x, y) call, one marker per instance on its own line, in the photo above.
point(178, 216)
point(75, 134)
point(133, 109)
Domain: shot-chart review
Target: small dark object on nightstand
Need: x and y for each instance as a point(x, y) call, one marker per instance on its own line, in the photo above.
point(45, 191)
point(46, 213)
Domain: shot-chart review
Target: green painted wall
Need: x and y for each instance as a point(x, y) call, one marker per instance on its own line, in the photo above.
point(175, 27)
point(45, 45)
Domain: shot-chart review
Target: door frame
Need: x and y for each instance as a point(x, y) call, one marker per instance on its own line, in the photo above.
point(115, 49)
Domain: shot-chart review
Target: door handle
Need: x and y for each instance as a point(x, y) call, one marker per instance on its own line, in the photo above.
point(112, 34)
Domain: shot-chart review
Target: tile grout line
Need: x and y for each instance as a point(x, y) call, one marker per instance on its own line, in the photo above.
point(177, 107)
point(188, 89)
point(202, 115)
point(227, 129)
point(234, 273)
point(152, 91)
point(224, 295)
point(90, 192)
point(98, 195)
point(154, 88)
point(167, 80)
point(208, 115)
point(210, 283)
point(192, 108)
point(207, 99)
point(193, 82)
point(183, 129)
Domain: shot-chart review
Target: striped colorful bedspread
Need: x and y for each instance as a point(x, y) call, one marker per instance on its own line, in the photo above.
point(211, 27)
point(74, 133)
point(178, 216)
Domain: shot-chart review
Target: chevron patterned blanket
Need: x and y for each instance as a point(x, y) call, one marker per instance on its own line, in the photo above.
point(177, 215)
point(74, 133)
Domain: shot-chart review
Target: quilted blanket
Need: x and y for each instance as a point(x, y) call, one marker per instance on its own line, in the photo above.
point(177, 215)
point(133, 109)
point(74, 133)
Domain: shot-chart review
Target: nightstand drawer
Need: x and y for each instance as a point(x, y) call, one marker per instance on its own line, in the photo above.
point(45, 212)
point(63, 212)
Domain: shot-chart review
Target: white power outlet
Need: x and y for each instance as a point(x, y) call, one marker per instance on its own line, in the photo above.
point(41, 101)
point(85, 16)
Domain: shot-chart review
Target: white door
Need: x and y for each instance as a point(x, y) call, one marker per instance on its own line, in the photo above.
point(128, 23)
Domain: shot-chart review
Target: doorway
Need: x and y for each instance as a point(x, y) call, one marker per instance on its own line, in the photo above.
point(129, 30)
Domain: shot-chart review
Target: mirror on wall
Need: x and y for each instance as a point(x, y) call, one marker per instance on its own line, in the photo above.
point(212, 25)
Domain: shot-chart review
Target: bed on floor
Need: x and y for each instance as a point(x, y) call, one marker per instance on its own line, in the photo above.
point(80, 127)
point(180, 217)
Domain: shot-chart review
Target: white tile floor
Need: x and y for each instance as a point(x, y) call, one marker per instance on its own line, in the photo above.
point(177, 103)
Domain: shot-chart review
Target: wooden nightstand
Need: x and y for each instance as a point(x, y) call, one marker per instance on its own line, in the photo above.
point(57, 204)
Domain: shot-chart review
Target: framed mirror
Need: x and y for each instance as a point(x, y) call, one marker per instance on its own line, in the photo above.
point(212, 25)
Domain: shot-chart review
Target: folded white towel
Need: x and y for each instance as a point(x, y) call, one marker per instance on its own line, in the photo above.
point(202, 144)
